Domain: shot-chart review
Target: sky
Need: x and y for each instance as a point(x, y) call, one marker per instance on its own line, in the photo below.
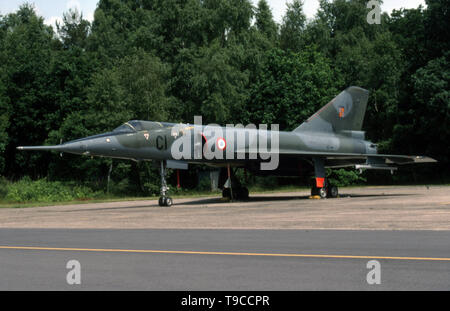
point(52, 10)
point(310, 6)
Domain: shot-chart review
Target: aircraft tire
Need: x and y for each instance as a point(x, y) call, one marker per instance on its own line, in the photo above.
point(162, 201)
point(333, 192)
point(226, 193)
point(165, 201)
point(323, 193)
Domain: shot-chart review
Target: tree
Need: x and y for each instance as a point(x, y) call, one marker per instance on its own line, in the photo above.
point(209, 84)
point(4, 124)
point(423, 38)
point(264, 21)
point(376, 66)
point(4, 101)
point(27, 47)
point(408, 29)
point(174, 59)
point(119, 26)
point(291, 88)
point(437, 25)
point(226, 18)
point(74, 31)
point(430, 109)
point(294, 23)
point(364, 55)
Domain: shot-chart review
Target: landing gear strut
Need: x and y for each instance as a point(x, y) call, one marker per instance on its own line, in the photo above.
point(164, 200)
point(233, 189)
point(238, 193)
point(322, 188)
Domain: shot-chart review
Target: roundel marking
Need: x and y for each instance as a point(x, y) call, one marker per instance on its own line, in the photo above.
point(221, 143)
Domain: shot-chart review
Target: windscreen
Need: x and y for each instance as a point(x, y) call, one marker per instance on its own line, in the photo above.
point(124, 128)
point(136, 125)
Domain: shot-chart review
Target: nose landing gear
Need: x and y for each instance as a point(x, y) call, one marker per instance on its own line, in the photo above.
point(164, 200)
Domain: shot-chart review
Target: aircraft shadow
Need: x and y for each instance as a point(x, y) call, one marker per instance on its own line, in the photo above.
point(219, 200)
point(252, 199)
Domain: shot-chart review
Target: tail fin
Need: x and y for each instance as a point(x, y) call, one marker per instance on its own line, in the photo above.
point(344, 113)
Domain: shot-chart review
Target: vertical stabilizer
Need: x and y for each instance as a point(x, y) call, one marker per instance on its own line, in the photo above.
point(344, 113)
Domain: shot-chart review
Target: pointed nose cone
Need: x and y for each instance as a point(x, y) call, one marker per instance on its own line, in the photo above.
point(98, 145)
point(70, 147)
point(94, 146)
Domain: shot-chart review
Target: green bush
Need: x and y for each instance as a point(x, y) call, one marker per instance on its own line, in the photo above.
point(3, 187)
point(344, 177)
point(152, 189)
point(266, 182)
point(42, 190)
point(204, 184)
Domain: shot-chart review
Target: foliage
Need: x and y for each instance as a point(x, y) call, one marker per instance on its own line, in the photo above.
point(4, 123)
point(291, 87)
point(264, 21)
point(42, 190)
point(293, 26)
point(226, 60)
point(3, 187)
point(430, 113)
point(27, 46)
point(344, 177)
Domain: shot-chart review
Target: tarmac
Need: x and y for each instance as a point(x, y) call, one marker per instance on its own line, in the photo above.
point(368, 208)
point(272, 242)
point(225, 260)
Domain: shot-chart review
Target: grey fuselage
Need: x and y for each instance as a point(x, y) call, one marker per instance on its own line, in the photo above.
point(145, 140)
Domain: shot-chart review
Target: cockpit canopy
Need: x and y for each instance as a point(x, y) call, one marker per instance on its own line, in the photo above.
point(124, 128)
point(137, 126)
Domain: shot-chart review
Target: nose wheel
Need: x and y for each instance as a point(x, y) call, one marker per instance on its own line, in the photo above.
point(164, 200)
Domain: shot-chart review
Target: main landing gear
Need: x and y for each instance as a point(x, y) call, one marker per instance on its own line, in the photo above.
point(322, 189)
point(164, 200)
point(329, 191)
point(235, 193)
point(233, 189)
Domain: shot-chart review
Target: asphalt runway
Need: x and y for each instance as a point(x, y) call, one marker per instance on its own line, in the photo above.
point(229, 260)
point(276, 242)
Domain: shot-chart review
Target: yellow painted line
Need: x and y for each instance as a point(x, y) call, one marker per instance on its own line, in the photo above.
point(143, 251)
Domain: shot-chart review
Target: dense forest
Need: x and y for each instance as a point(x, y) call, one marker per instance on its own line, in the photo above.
point(226, 60)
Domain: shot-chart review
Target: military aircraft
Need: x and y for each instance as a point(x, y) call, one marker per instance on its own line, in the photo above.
point(331, 138)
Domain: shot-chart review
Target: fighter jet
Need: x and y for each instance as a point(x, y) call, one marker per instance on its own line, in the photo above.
point(331, 138)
